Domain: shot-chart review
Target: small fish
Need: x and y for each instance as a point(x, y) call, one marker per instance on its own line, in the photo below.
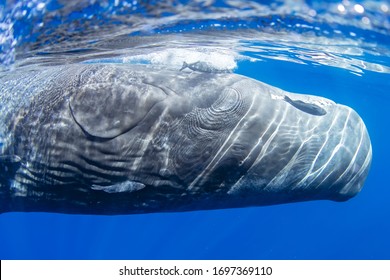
point(202, 66)
point(306, 107)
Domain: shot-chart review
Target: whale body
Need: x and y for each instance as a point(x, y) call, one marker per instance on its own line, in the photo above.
point(120, 139)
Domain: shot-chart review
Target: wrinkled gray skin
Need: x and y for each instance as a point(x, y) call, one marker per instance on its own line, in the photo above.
point(117, 139)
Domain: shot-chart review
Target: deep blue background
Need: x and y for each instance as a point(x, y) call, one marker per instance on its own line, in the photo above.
point(356, 229)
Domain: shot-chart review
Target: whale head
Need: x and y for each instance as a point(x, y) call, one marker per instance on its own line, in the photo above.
point(283, 147)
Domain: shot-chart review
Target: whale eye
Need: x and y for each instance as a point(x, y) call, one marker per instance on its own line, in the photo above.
point(309, 108)
point(229, 100)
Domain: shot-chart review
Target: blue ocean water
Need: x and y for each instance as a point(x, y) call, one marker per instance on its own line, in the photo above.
point(336, 49)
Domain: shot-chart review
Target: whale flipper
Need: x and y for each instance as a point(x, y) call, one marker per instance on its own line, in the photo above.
point(127, 186)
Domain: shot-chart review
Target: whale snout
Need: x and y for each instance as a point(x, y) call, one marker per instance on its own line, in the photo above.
point(355, 155)
point(337, 165)
point(322, 157)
